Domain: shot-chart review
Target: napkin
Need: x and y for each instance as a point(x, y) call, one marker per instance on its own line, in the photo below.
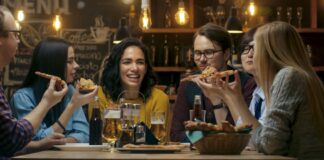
point(150, 138)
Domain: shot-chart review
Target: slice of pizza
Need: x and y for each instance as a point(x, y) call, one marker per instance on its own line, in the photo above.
point(59, 82)
point(207, 73)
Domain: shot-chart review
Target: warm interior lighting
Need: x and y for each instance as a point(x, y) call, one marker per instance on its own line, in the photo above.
point(252, 8)
point(57, 23)
point(181, 16)
point(20, 15)
point(145, 21)
point(233, 23)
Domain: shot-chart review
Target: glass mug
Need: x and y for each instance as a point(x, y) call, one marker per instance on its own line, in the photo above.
point(112, 125)
point(158, 120)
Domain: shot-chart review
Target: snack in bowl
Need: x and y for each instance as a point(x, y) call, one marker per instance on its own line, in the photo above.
point(223, 138)
point(86, 85)
point(208, 74)
point(59, 82)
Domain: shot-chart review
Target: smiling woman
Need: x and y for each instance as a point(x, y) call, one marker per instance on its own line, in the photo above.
point(128, 69)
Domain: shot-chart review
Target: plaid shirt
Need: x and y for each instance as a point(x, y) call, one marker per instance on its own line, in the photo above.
point(14, 134)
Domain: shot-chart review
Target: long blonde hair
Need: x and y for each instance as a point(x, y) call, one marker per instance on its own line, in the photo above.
point(278, 45)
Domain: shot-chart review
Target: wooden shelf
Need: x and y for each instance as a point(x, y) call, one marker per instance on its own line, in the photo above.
point(170, 30)
point(169, 69)
point(310, 30)
point(319, 68)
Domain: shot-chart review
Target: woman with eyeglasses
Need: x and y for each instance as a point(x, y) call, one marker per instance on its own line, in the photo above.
point(212, 47)
point(257, 105)
point(293, 125)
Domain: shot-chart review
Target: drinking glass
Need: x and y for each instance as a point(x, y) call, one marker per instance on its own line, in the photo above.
point(299, 16)
point(158, 125)
point(112, 126)
point(279, 13)
point(289, 14)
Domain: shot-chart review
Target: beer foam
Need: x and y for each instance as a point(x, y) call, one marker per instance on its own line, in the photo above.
point(157, 121)
point(113, 114)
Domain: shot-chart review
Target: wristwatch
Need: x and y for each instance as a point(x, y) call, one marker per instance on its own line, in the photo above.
point(218, 106)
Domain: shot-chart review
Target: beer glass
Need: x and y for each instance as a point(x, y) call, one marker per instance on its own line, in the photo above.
point(158, 125)
point(112, 126)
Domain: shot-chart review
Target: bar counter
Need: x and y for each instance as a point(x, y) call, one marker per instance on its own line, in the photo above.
point(184, 155)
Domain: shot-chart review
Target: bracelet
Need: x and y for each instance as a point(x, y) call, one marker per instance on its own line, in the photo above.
point(61, 125)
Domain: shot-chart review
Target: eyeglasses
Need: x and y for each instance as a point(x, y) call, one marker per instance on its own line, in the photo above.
point(208, 53)
point(245, 49)
point(15, 32)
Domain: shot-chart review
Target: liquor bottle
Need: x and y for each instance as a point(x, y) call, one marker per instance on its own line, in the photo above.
point(95, 125)
point(176, 52)
point(167, 15)
point(197, 108)
point(153, 50)
point(165, 51)
point(171, 89)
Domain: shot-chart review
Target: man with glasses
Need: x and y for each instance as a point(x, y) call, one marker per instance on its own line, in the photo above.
point(15, 134)
point(212, 46)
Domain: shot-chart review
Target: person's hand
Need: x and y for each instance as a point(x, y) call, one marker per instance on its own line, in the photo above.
point(79, 99)
point(51, 95)
point(51, 140)
point(43, 144)
point(219, 88)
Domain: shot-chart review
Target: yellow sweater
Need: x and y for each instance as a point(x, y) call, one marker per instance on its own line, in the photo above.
point(157, 102)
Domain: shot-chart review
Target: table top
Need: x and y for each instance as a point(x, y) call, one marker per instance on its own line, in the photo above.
point(184, 155)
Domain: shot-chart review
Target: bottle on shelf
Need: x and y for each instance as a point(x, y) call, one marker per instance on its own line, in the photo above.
point(197, 108)
point(95, 125)
point(167, 15)
point(166, 50)
point(176, 52)
point(153, 50)
point(171, 89)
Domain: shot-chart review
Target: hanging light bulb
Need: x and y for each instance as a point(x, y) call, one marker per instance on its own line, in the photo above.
point(181, 16)
point(20, 15)
point(18, 26)
point(57, 23)
point(252, 8)
point(145, 21)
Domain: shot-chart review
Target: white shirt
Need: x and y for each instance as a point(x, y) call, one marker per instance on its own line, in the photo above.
point(258, 92)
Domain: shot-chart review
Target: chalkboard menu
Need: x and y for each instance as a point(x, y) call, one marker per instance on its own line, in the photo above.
point(89, 52)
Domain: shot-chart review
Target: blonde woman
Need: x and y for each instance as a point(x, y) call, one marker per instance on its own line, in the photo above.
point(294, 122)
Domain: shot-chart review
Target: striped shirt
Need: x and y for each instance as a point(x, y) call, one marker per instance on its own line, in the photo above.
point(14, 134)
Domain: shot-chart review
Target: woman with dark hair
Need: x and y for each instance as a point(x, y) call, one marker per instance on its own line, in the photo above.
point(128, 69)
point(56, 57)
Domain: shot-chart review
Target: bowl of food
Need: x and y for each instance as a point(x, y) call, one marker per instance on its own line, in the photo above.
point(223, 139)
point(86, 86)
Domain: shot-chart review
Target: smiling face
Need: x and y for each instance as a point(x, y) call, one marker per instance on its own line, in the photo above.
point(132, 68)
point(218, 60)
point(71, 66)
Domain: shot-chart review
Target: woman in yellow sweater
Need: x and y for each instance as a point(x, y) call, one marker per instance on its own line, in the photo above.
point(128, 69)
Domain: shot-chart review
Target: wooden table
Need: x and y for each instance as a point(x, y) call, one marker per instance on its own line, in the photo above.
point(184, 155)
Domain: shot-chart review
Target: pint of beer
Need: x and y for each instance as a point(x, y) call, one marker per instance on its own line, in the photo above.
point(112, 126)
point(158, 125)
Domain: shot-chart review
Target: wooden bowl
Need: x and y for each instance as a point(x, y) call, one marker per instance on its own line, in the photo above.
point(223, 143)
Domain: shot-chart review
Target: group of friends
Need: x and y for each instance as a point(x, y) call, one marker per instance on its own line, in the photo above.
point(278, 92)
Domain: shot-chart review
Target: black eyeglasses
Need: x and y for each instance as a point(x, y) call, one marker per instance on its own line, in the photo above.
point(15, 32)
point(245, 49)
point(208, 53)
